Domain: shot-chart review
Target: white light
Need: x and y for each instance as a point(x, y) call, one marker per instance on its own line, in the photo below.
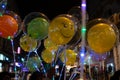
point(85, 63)
point(53, 52)
point(22, 59)
point(17, 64)
point(83, 5)
point(89, 57)
point(1, 56)
point(7, 58)
point(57, 66)
point(111, 64)
point(82, 55)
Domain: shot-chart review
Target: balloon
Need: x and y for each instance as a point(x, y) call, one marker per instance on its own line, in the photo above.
point(70, 57)
point(61, 29)
point(76, 12)
point(27, 43)
point(48, 55)
point(9, 24)
point(101, 37)
point(49, 44)
point(36, 25)
point(33, 63)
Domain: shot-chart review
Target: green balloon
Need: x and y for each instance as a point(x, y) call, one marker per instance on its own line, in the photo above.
point(38, 28)
point(33, 63)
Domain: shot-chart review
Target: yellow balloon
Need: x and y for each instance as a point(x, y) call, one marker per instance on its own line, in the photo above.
point(49, 44)
point(61, 30)
point(48, 55)
point(70, 57)
point(101, 37)
point(27, 43)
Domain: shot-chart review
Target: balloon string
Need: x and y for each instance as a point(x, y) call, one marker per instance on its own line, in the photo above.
point(72, 75)
point(43, 68)
point(26, 64)
point(61, 71)
point(15, 68)
point(56, 57)
point(65, 62)
point(60, 50)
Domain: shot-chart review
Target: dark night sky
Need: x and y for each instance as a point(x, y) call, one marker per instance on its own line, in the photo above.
point(52, 8)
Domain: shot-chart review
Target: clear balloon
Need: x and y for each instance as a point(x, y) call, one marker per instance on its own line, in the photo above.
point(9, 24)
point(101, 35)
point(115, 18)
point(62, 29)
point(76, 12)
point(48, 55)
point(70, 57)
point(27, 43)
point(36, 25)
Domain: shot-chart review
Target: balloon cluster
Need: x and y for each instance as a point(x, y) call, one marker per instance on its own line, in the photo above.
point(63, 30)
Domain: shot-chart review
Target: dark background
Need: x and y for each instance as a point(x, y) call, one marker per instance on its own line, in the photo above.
point(52, 8)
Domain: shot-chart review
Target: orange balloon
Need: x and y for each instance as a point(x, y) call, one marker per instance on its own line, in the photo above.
point(8, 26)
